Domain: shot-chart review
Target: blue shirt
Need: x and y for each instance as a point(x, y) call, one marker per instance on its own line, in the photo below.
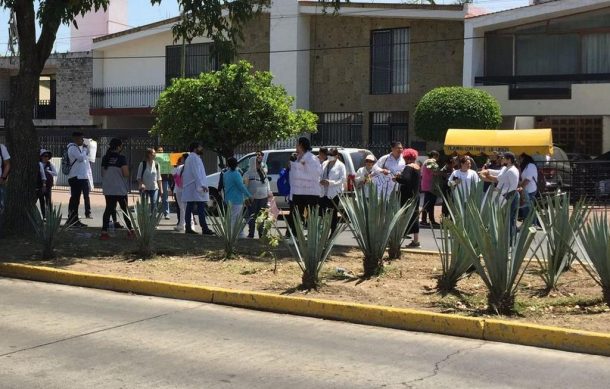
point(235, 190)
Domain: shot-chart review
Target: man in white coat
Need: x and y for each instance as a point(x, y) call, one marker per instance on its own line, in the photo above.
point(195, 188)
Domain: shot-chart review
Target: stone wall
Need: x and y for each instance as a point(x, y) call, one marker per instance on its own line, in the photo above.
point(255, 46)
point(340, 71)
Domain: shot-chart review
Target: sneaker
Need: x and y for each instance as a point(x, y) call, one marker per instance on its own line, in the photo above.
point(179, 229)
point(423, 223)
point(208, 232)
point(414, 244)
point(191, 231)
point(166, 217)
point(80, 225)
point(104, 236)
point(88, 216)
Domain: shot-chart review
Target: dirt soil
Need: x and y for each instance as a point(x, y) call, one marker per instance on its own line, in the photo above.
point(409, 282)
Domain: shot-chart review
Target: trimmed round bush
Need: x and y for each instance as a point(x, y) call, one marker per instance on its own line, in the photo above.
point(455, 107)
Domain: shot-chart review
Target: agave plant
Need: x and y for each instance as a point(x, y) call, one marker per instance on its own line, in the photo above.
point(559, 225)
point(271, 236)
point(50, 231)
point(311, 249)
point(145, 222)
point(455, 260)
point(228, 229)
point(371, 220)
point(498, 257)
point(595, 237)
point(404, 223)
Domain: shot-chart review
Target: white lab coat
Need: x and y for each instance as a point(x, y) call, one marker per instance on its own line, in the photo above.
point(194, 180)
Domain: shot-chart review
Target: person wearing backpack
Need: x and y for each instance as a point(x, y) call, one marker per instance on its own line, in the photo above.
point(45, 181)
point(115, 171)
point(149, 179)
point(76, 162)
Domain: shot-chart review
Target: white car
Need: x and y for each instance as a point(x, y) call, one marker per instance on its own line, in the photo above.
point(276, 160)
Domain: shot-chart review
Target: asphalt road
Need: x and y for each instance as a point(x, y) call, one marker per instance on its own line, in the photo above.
point(56, 336)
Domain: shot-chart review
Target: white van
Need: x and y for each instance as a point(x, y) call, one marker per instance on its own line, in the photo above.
point(276, 160)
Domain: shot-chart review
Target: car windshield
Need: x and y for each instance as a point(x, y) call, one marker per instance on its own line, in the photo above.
point(358, 158)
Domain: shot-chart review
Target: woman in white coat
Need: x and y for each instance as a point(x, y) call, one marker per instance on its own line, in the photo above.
point(195, 189)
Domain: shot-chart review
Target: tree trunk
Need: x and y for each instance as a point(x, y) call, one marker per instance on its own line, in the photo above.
point(394, 252)
point(372, 266)
point(502, 305)
point(24, 149)
point(309, 281)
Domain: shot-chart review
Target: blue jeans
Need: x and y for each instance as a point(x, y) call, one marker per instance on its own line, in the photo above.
point(153, 197)
point(201, 205)
point(165, 197)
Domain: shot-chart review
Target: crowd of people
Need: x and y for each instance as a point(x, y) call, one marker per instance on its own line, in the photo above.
point(311, 181)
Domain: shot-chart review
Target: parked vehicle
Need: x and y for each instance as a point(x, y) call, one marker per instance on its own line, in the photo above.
point(276, 160)
point(557, 170)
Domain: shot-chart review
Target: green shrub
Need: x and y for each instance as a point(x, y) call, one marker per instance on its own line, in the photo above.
point(397, 237)
point(227, 229)
point(145, 223)
point(455, 107)
point(595, 237)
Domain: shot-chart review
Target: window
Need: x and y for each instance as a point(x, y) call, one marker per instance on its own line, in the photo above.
point(277, 161)
point(338, 128)
point(389, 61)
point(244, 163)
point(389, 126)
point(198, 59)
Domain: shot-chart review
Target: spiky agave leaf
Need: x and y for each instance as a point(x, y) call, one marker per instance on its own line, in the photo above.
point(499, 258)
point(312, 249)
point(228, 230)
point(559, 224)
point(404, 223)
point(48, 232)
point(145, 222)
point(371, 221)
point(595, 237)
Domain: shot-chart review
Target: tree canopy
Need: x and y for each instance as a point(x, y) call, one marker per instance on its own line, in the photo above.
point(227, 108)
point(455, 107)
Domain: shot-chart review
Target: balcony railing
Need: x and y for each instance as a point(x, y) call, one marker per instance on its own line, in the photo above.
point(542, 87)
point(126, 96)
point(44, 109)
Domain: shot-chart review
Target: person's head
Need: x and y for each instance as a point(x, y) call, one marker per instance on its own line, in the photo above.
point(150, 154)
point(524, 160)
point(196, 147)
point(333, 155)
point(259, 156)
point(116, 145)
point(465, 163)
point(434, 154)
point(410, 155)
point(78, 138)
point(182, 159)
point(323, 154)
point(508, 159)
point(396, 148)
point(369, 161)
point(232, 163)
point(160, 149)
point(45, 155)
point(303, 145)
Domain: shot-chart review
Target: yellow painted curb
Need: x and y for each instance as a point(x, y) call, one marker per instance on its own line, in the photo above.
point(399, 318)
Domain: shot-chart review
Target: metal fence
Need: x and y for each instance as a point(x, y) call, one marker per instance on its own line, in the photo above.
point(126, 96)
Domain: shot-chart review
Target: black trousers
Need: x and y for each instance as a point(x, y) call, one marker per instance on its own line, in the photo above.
point(87, 199)
point(429, 203)
point(299, 204)
point(331, 205)
point(111, 202)
point(77, 188)
point(44, 199)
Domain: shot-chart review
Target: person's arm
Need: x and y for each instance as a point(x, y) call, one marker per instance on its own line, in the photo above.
point(52, 170)
point(141, 168)
point(124, 167)
point(43, 176)
point(403, 178)
point(243, 189)
point(378, 168)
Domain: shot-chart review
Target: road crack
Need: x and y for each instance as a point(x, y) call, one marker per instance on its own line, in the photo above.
point(437, 365)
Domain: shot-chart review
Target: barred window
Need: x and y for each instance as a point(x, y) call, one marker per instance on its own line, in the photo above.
point(198, 59)
point(338, 128)
point(387, 127)
point(389, 61)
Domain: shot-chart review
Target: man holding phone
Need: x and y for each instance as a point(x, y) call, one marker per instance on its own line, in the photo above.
point(332, 181)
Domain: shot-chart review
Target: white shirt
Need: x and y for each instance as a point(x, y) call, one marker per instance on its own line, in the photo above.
point(361, 175)
point(385, 184)
point(508, 179)
point(50, 169)
point(467, 179)
point(305, 175)
point(194, 180)
point(5, 156)
point(336, 176)
point(530, 173)
point(149, 174)
point(79, 159)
